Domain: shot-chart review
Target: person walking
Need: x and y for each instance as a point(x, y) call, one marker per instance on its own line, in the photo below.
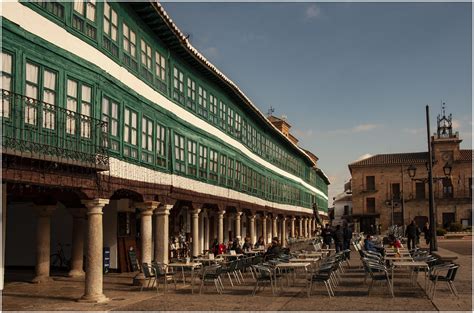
point(327, 237)
point(338, 238)
point(411, 234)
point(427, 232)
point(347, 235)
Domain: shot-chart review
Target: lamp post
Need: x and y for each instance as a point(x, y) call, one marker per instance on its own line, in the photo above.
point(447, 172)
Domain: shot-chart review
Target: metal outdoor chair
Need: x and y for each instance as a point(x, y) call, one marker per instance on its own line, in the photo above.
point(444, 272)
point(264, 275)
point(379, 273)
point(150, 276)
point(162, 273)
point(212, 274)
point(321, 276)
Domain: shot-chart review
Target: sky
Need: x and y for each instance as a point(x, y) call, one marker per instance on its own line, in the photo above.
point(353, 79)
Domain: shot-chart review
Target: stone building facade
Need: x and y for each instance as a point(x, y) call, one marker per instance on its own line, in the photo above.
point(383, 193)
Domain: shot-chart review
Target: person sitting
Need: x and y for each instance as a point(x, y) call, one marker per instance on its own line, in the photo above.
point(274, 250)
point(247, 245)
point(236, 246)
point(370, 246)
point(260, 243)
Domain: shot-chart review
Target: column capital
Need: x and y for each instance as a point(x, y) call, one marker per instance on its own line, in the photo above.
point(147, 207)
point(163, 209)
point(293, 218)
point(264, 216)
point(238, 214)
point(95, 206)
point(221, 212)
point(45, 210)
point(195, 211)
point(252, 217)
point(284, 218)
point(275, 218)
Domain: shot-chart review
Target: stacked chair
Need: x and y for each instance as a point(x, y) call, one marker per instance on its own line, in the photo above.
point(443, 272)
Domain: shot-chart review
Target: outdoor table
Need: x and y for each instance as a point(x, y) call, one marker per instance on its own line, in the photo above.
point(398, 258)
point(292, 265)
point(192, 266)
point(312, 254)
point(228, 255)
point(411, 264)
point(253, 252)
point(208, 261)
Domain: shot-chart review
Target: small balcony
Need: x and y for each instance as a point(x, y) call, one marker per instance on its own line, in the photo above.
point(38, 130)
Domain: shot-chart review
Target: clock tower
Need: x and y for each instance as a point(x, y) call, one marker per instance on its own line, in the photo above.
point(445, 142)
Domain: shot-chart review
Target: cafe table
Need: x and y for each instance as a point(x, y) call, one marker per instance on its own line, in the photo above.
point(409, 264)
point(292, 265)
point(191, 265)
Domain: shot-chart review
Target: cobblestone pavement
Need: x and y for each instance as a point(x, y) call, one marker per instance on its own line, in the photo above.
point(351, 295)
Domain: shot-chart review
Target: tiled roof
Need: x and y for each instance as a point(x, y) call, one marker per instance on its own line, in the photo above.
point(404, 158)
point(393, 158)
point(193, 51)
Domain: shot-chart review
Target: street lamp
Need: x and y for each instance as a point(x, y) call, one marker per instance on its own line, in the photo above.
point(447, 172)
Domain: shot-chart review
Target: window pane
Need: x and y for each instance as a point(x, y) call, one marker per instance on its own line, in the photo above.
point(79, 7)
point(72, 88)
point(86, 93)
point(32, 73)
point(6, 63)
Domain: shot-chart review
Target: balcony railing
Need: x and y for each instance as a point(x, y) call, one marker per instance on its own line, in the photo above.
point(39, 130)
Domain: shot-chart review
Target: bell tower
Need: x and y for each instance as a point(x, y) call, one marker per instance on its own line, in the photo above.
point(445, 141)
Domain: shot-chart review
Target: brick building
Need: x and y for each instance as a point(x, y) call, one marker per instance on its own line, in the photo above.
point(383, 193)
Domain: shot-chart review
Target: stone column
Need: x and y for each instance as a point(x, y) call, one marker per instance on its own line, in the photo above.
point(195, 214)
point(206, 231)
point(95, 244)
point(220, 218)
point(306, 227)
point(269, 229)
point(293, 219)
point(300, 226)
point(275, 226)
point(201, 231)
point(310, 227)
point(43, 242)
point(238, 227)
point(162, 233)
point(78, 235)
point(253, 233)
point(283, 232)
point(146, 211)
point(264, 228)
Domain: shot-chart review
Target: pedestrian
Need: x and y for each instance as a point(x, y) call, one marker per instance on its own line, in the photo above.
point(427, 232)
point(347, 234)
point(410, 233)
point(247, 245)
point(338, 238)
point(327, 237)
point(260, 243)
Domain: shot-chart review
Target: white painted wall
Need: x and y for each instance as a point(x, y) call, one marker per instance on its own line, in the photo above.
point(110, 229)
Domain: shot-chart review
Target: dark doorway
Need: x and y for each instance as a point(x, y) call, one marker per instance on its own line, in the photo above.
point(367, 225)
point(448, 219)
point(421, 221)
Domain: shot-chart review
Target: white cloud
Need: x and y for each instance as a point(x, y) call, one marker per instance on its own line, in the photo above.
point(414, 131)
point(211, 52)
point(364, 127)
point(312, 12)
point(363, 157)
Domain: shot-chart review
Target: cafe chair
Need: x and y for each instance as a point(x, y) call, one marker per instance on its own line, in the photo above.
point(444, 272)
point(212, 274)
point(263, 275)
point(162, 273)
point(149, 273)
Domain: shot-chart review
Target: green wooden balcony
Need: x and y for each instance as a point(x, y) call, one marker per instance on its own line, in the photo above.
point(39, 130)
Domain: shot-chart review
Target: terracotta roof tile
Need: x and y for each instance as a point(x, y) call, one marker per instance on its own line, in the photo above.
point(404, 158)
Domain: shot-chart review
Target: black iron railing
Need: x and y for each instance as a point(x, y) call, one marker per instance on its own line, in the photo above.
point(39, 130)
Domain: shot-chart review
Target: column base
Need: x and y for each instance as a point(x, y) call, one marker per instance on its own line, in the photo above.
point(41, 279)
point(101, 298)
point(76, 273)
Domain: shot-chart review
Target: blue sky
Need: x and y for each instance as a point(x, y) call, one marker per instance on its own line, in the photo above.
point(352, 78)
